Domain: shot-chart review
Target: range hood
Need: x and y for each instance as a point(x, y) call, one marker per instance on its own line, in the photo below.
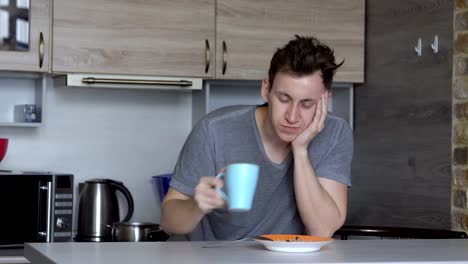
point(129, 81)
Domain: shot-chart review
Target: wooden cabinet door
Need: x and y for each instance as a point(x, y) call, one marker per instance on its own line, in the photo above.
point(144, 37)
point(36, 58)
point(251, 31)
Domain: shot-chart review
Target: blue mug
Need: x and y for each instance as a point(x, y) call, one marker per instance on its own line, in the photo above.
point(240, 181)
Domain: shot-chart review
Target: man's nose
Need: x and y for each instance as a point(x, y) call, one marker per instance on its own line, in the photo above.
point(292, 115)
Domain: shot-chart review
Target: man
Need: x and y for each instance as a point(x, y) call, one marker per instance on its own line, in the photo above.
point(304, 156)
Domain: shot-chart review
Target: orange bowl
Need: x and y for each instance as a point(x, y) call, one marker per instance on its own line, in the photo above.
point(293, 243)
point(3, 147)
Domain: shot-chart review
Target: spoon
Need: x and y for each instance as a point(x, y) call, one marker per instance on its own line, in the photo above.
point(211, 245)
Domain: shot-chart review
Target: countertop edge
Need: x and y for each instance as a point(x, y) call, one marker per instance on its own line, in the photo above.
point(34, 256)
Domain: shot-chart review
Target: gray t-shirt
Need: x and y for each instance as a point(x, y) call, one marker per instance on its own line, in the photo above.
point(230, 135)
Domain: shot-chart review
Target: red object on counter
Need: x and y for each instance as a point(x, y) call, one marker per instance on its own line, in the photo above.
point(3, 147)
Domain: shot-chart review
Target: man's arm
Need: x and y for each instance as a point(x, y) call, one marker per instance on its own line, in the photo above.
point(321, 202)
point(180, 214)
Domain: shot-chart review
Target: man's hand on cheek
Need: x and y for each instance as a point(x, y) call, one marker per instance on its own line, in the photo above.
point(303, 140)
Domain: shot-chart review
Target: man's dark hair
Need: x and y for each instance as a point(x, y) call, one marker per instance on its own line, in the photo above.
point(303, 56)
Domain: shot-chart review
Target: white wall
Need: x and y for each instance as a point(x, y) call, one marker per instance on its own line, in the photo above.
point(14, 91)
point(126, 135)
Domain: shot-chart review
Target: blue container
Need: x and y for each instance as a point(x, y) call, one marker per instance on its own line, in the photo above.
point(161, 183)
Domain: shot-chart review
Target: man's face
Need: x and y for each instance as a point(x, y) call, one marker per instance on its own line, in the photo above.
point(292, 102)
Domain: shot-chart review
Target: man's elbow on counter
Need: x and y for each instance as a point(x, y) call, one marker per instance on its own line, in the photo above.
point(326, 230)
point(171, 227)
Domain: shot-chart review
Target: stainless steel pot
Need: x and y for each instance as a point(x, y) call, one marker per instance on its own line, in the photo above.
point(137, 232)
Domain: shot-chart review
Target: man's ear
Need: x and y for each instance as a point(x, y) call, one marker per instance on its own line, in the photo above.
point(265, 90)
point(329, 97)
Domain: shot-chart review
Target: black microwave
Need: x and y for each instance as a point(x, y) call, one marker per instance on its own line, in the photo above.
point(35, 207)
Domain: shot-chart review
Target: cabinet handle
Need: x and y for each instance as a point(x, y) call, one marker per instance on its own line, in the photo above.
point(224, 57)
point(41, 49)
point(92, 80)
point(207, 55)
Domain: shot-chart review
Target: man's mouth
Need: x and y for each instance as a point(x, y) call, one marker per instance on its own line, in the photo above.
point(289, 129)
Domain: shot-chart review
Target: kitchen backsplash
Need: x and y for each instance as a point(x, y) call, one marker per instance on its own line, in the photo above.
point(126, 135)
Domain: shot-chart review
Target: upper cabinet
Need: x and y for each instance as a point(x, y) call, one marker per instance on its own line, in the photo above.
point(157, 37)
point(220, 39)
point(24, 35)
point(249, 32)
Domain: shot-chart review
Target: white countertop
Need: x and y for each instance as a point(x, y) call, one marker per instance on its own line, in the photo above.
point(340, 251)
point(14, 260)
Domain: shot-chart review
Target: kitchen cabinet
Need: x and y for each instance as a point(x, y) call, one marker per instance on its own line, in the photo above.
point(158, 37)
point(249, 32)
point(219, 39)
point(402, 164)
point(28, 24)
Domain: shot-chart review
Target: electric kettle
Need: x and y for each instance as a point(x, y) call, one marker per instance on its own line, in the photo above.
point(99, 209)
